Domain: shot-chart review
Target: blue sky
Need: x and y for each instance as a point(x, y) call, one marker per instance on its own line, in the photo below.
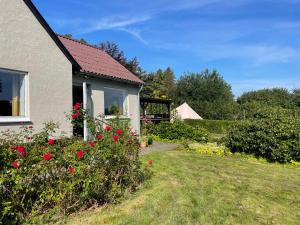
point(253, 43)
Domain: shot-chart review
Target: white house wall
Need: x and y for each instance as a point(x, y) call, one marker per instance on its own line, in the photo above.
point(26, 46)
point(97, 86)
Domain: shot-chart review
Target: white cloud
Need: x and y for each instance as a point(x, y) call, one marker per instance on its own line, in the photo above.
point(135, 33)
point(113, 23)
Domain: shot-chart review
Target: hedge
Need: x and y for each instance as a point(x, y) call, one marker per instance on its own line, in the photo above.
point(276, 139)
point(178, 131)
point(212, 126)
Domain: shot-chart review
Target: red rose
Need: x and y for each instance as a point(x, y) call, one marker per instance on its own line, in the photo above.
point(16, 164)
point(21, 150)
point(99, 137)
point(30, 126)
point(80, 154)
point(107, 128)
point(47, 156)
point(92, 144)
point(119, 131)
point(77, 106)
point(76, 115)
point(115, 137)
point(71, 169)
point(150, 162)
point(51, 141)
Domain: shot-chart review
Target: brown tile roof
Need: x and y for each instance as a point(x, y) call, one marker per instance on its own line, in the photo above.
point(93, 60)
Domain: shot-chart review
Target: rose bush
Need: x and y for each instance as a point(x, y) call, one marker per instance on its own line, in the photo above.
point(43, 175)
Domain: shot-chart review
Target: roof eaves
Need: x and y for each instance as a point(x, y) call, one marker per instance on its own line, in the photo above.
point(51, 33)
point(97, 75)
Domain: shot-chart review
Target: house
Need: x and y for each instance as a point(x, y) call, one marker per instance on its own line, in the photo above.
point(184, 111)
point(43, 74)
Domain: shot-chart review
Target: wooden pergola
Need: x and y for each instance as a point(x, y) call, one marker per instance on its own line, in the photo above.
point(155, 117)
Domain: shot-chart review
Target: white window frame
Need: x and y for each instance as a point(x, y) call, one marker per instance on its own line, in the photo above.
point(125, 104)
point(19, 119)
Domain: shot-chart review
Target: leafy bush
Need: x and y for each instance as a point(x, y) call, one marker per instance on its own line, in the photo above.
point(212, 126)
point(209, 149)
point(40, 174)
point(178, 131)
point(276, 139)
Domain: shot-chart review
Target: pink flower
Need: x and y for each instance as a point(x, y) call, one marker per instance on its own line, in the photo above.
point(99, 137)
point(107, 128)
point(47, 156)
point(119, 131)
point(71, 169)
point(115, 138)
point(51, 141)
point(16, 164)
point(21, 150)
point(80, 154)
point(92, 144)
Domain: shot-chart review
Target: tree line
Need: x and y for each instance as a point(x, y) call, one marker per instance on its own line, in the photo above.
point(207, 92)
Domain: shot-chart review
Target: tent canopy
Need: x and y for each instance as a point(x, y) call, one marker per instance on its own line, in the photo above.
point(186, 112)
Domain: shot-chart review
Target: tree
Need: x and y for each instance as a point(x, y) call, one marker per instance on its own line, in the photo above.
point(296, 97)
point(207, 93)
point(70, 36)
point(271, 97)
point(114, 51)
point(159, 84)
point(169, 83)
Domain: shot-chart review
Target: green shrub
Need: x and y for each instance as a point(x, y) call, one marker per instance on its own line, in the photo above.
point(276, 139)
point(212, 126)
point(178, 131)
point(150, 140)
point(41, 175)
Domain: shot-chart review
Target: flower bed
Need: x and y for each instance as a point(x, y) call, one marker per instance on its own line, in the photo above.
point(41, 175)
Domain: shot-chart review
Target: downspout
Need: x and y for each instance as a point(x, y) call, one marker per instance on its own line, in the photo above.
point(139, 111)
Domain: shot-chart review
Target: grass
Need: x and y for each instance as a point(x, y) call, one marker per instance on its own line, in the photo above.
point(189, 188)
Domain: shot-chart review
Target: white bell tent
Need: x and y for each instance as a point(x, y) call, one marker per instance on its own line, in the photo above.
point(186, 112)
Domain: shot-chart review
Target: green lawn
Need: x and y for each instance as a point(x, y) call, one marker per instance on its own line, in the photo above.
point(188, 188)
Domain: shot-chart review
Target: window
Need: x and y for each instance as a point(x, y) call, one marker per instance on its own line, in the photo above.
point(115, 102)
point(12, 94)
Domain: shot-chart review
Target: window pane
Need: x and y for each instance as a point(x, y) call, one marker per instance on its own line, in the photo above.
point(12, 94)
point(114, 101)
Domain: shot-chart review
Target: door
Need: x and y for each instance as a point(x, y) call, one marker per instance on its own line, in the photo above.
point(78, 97)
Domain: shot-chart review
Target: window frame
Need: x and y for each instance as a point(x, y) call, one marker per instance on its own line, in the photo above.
point(19, 119)
point(125, 103)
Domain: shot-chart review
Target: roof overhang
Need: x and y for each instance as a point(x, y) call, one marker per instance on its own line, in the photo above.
point(86, 74)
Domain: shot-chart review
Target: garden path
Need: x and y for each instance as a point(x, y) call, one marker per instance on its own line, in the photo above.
point(159, 147)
